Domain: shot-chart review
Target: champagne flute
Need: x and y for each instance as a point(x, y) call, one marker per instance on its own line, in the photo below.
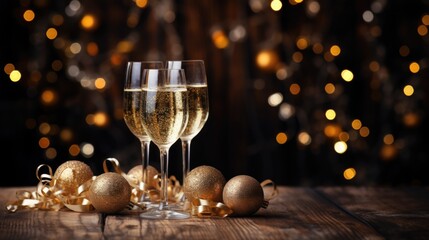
point(198, 103)
point(132, 105)
point(164, 116)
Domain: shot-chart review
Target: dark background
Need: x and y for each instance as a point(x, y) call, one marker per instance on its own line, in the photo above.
point(240, 135)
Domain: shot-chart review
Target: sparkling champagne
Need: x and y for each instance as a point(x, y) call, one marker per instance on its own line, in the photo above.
point(164, 114)
point(132, 106)
point(198, 105)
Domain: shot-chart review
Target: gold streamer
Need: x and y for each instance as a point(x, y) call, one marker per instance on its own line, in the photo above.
point(208, 208)
point(273, 194)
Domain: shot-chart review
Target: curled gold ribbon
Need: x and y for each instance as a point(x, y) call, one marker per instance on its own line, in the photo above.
point(273, 194)
point(208, 208)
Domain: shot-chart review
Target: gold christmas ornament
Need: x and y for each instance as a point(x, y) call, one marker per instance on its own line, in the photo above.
point(137, 172)
point(71, 174)
point(204, 182)
point(243, 195)
point(109, 193)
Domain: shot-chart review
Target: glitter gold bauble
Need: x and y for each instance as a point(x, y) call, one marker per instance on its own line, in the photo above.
point(109, 193)
point(71, 174)
point(137, 172)
point(243, 195)
point(204, 182)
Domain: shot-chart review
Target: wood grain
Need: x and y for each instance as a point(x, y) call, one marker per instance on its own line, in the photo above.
point(297, 213)
point(396, 213)
point(38, 224)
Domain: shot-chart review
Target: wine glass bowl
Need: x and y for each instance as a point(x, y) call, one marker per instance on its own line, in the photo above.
point(131, 110)
point(164, 115)
point(198, 103)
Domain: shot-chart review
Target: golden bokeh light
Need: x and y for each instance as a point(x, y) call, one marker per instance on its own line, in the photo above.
point(411, 119)
point(302, 43)
point(44, 142)
point(267, 59)
point(48, 96)
point(88, 22)
point(8, 68)
point(388, 139)
point(330, 114)
point(304, 138)
point(281, 138)
point(276, 5)
point(297, 57)
point(356, 124)
point(29, 15)
point(374, 66)
point(87, 149)
point(74, 150)
point(141, 3)
point(295, 2)
point(51, 33)
point(425, 19)
point(75, 48)
point(116, 59)
point(335, 50)
point(100, 83)
point(388, 152)
point(294, 89)
point(51, 153)
point(364, 131)
point(349, 173)
point(329, 88)
point(220, 40)
point(101, 119)
point(66, 135)
point(275, 99)
point(89, 119)
point(344, 136)
point(340, 147)
point(92, 49)
point(347, 75)
point(317, 48)
point(332, 130)
point(414, 67)
point(422, 30)
point(15, 76)
point(408, 90)
point(44, 128)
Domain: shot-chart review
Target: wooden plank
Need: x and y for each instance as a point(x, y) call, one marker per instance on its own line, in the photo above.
point(38, 224)
point(297, 213)
point(396, 213)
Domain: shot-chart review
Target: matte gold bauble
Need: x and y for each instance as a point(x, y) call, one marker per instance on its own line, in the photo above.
point(109, 193)
point(243, 195)
point(71, 174)
point(137, 172)
point(204, 182)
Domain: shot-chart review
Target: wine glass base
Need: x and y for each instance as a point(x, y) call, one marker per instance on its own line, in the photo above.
point(155, 213)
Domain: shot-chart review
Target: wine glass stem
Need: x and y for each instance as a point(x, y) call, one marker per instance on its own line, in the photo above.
point(145, 163)
point(164, 178)
point(186, 158)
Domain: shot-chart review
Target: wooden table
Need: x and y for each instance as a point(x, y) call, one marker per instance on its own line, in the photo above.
point(296, 213)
